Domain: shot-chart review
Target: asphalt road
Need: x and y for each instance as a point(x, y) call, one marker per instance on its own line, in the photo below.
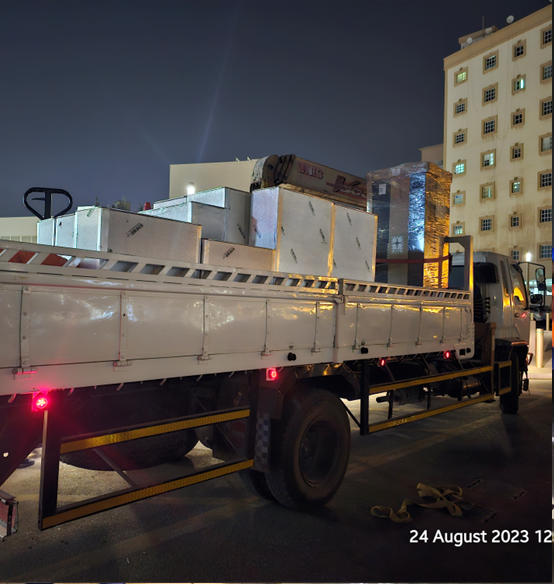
point(218, 532)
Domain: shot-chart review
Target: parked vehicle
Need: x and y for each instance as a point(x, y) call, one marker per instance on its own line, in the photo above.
point(116, 362)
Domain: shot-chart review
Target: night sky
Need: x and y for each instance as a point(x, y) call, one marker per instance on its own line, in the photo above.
point(100, 97)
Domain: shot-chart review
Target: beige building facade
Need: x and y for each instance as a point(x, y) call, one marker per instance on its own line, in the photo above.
point(498, 138)
point(432, 154)
point(187, 179)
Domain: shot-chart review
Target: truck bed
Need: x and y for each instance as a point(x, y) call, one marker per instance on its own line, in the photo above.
point(103, 318)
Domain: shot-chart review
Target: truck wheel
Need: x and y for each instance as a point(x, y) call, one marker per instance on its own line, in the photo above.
point(508, 402)
point(256, 483)
point(309, 449)
point(136, 454)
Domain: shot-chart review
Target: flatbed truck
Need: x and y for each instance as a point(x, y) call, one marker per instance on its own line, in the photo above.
point(117, 362)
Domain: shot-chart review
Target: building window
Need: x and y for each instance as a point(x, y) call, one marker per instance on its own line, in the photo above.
point(458, 229)
point(547, 36)
point(519, 49)
point(489, 94)
point(517, 152)
point(546, 107)
point(516, 186)
point(487, 159)
point(487, 191)
point(486, 224)
point(519, 84)
point(545, 179)
point(546, 144)
point(546, 215)
point(546, 251)
point(514, 221)
point(489, 126)
point(459, 137)
point(517, 118)
point(458, 198)
point(459, 167)
point(461, 76)
point(546, 72)
point(491, 61)
point(459, 107)
point(515, 255)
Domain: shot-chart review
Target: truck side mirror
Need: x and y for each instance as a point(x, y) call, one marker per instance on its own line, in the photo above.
point(540, 279)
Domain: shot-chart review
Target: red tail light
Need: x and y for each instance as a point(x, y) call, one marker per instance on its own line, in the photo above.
point(271, 374)
point(40, 402)
point(447, 355)
point(382, 362)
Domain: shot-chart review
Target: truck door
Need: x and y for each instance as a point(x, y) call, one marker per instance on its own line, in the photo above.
point(520, 303)
point(503, 305)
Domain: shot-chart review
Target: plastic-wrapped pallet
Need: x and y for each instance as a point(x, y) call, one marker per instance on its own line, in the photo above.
point(412, 204)
point(235, 225)
point(106, 229)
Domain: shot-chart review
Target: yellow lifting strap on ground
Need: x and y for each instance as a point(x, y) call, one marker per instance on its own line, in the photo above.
point(449, 496)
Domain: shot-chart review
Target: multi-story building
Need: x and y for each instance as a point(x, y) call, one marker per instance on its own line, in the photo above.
point(498, 138)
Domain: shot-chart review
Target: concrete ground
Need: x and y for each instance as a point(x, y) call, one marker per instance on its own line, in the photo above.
point(218, 532)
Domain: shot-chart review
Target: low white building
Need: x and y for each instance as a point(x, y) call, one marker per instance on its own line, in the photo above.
point(187, 179)
point(19, 229)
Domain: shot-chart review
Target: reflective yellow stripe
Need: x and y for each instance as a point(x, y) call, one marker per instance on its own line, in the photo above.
point(118, 500)
point(151, 431)
point(504, 364)
point(427, 413)
point(504, 390)
point(431, 379)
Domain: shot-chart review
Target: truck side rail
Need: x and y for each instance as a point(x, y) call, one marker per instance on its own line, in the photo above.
point(97, 318)
point(359, 288)
point(36, 258)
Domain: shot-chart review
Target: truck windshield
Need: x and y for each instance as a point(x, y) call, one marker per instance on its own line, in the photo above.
point(484, 273)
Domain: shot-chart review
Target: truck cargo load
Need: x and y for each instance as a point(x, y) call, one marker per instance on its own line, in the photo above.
point(412, 204)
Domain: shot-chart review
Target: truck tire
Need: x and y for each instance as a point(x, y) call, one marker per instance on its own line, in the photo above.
point(309, 449)
point(136, 454)
point(256, 483)
point(508, 402)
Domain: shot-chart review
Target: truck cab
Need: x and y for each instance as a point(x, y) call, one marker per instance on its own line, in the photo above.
point(500, 294)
